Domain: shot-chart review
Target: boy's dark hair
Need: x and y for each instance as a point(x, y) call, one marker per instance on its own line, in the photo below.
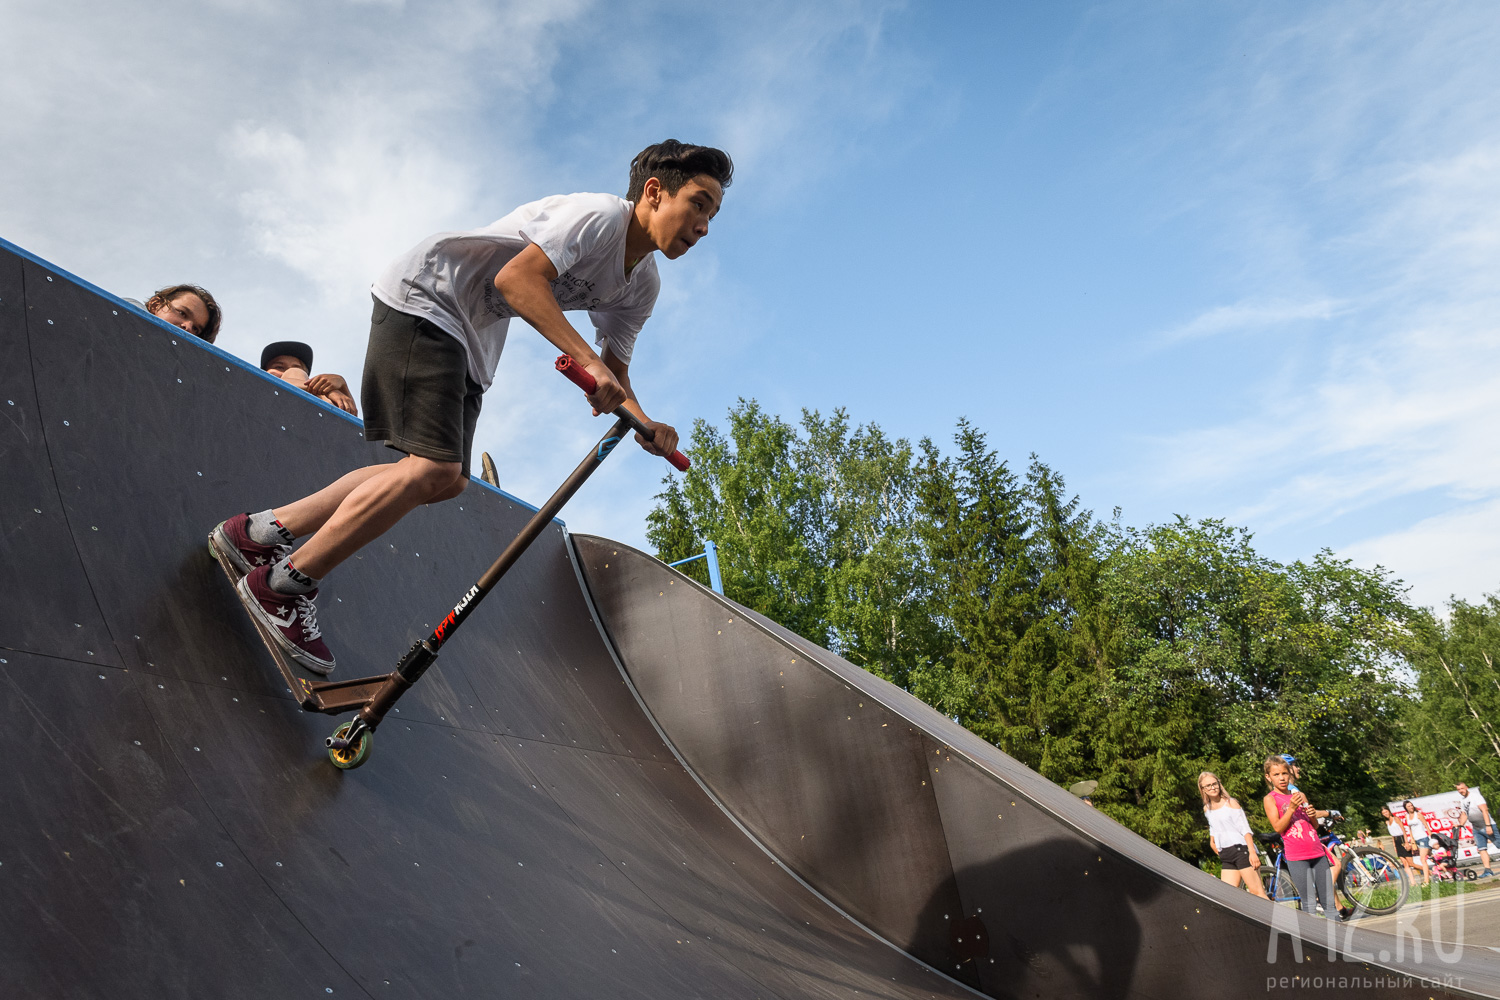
point(215, 314)
point(674, 164)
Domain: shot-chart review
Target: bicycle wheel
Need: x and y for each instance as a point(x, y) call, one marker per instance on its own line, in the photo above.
point(1279, 885)
point(1347, 859)
point(1373, 881)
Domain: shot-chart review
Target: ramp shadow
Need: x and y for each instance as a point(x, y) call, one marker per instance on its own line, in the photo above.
point(1049, 919)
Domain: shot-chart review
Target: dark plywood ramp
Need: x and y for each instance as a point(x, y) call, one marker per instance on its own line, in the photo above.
point(737, 814)
point(945, 846)
point(171, 826)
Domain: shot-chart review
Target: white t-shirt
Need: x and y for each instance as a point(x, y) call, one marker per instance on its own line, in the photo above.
point(1469, 805)
point(449, 278)
point(1228, 825)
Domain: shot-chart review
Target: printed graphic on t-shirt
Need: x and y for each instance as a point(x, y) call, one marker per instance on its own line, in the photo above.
point(574, 293)
point(494, 302)
point(1301, 831)
point(570, 292)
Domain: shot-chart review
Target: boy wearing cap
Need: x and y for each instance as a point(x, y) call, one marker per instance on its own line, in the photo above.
point(1296, 772)
point(441, 315)
point(291, 360)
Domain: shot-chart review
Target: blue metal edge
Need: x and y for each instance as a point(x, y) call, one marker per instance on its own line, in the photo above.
point(219, 352)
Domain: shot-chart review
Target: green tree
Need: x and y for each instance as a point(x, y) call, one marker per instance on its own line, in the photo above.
point(1455, 725)
point(1226, 657)
point(876, 579)
point(745, 491)
point(974, 531)
point(815, 529)
point(1014, 568)
point(1084, 649)
point(1171, 592)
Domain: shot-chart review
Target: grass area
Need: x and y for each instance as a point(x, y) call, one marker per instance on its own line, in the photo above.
point(1380, 896)
point(1440, 890)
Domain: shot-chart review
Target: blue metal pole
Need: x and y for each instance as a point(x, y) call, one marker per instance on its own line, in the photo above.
point(714, 579)
point(710, 553)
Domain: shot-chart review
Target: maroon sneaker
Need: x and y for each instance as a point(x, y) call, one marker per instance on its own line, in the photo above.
point(229, 540)
point(292, 619)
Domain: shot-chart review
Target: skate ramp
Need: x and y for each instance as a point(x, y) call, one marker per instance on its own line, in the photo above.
point(535, 820)
point(171, 826)
point(947, 847)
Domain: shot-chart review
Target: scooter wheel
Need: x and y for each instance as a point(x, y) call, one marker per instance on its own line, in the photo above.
point(349, 759)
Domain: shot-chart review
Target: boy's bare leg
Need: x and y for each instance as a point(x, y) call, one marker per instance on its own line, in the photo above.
point(363, 505)
point(307, 515)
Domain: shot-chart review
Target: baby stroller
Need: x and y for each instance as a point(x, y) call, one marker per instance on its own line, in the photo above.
point(1440, 858)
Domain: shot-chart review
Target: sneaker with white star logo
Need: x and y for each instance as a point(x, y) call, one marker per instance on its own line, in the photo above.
point(291, 618)
point(231, 540)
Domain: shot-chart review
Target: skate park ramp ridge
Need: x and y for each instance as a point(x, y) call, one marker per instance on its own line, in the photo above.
point(613, 783)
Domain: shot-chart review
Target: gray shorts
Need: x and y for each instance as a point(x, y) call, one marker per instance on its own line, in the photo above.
point(416, 393)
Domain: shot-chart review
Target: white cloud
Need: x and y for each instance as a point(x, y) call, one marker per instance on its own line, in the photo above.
point(1453, 553)
point(1413, 393)
point(1361, 153)
point(812, 87)
point(283, 153)
point(337, 207)
point(1250, 315)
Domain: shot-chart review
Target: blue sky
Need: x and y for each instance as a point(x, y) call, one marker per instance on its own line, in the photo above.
point(1215, 260)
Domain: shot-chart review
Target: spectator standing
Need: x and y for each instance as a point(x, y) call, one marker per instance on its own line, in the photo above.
point(1292, 816)
point(1476, 812)
point(1229, 835)
point(1334, 861)
point(1418, 838)
point(1395, 825)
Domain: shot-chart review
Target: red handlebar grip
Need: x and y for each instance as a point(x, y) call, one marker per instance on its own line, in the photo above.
point(576, 373)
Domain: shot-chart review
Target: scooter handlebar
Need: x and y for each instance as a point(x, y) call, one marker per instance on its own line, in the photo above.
point(581, 378)
point(576, 373)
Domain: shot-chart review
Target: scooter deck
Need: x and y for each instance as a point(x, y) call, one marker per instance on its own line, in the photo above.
point(328, 697)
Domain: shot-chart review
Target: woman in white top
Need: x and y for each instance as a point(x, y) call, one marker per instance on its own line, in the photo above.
point(1418, 837)
point(1230, 836)
point(1395, 825)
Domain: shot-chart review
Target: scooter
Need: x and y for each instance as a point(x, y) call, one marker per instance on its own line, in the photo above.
point(351, 743)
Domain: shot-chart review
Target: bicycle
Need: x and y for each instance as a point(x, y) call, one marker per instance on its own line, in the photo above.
point(1370, 880)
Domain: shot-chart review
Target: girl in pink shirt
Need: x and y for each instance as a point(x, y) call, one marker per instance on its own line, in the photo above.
point(1291, 815)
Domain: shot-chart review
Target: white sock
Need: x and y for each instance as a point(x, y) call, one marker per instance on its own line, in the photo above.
point(264, 529)
point(287, 579)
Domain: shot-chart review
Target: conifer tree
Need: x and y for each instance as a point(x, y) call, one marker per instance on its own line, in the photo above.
point(1137, 657)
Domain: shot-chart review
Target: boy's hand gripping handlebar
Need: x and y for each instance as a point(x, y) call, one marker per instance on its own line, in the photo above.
point(581, 378)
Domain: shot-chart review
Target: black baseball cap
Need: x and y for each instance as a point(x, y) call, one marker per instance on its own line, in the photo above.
point(294, 348)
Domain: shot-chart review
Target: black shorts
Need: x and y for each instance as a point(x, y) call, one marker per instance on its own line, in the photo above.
point(416, 394)
point(1401, 851)
point(1236, 856)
